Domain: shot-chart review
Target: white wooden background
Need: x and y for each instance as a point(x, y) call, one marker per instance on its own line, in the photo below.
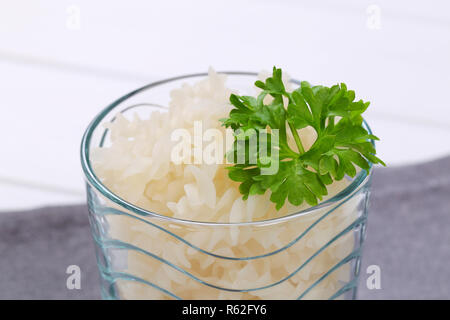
point(62, 61)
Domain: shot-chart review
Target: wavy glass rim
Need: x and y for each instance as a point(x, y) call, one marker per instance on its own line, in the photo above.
point(359, 180)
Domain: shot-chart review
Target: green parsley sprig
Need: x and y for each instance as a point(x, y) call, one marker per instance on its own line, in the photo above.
point(342, 142)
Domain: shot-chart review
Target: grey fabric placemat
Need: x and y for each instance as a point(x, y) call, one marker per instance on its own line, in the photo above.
point(408, 237)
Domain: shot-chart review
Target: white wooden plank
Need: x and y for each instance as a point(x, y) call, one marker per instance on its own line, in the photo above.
point(45, 113)
point(16, 197)
point(403, 67)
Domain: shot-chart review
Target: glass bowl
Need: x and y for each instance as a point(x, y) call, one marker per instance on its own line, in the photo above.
point(311, 254)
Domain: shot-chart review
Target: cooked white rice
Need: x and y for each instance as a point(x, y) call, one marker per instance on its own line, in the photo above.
point(137, 166)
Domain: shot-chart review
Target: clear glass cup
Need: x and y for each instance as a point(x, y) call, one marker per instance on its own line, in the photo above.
point(311, 254)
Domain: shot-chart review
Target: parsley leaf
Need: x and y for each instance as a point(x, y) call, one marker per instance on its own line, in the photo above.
point(261, 142)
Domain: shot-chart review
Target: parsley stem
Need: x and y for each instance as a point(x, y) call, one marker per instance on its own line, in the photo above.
point(298, 142)
point(331, 122)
